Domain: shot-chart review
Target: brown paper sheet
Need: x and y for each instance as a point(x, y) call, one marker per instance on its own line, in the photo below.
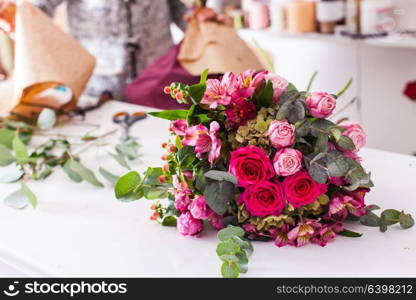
point(44, 53)
point(216, 47)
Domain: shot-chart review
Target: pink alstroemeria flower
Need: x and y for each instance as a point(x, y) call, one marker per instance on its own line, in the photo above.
point(204, 141)
point(341, 205)
point(179, 127)
point(327, 233)
point(219, 92)
point(248, 82)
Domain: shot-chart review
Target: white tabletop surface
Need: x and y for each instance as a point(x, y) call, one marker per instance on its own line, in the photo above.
point(81, 230)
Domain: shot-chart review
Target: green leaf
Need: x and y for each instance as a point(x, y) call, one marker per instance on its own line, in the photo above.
point(345, 143)
point(17, 200)
point(391, 216)
point(46, 119)
point(242, 261)
point(383, 223)
point(372, 207)
point(197, 91)
point(370, 219)
point(320, 126)
point(227, 248)
point(406, 221)
point(74, 176)
point(229, 232)
point(186, 156)
point(109, 176)
point(204, 76)
point(337, 163)
point(218, 195)
point(20, 149)
point(152, 176)
point(84, 172)
point(318, 169)
point(169, 221)
point(244, 244)
point(171, 115)
point(336, 133)
point(357, 177)
point(221, 176)
point(264, 96)
point(229, 270)
point(10, 173)
point(6, 137)
point(29, 194)
point(349, 233)
point(129, 149)
point(303, 127)
point(200, 179)
point(155, 193)
point(126, 184)
point(120, 159)
point(293, 110)
point(6, 156)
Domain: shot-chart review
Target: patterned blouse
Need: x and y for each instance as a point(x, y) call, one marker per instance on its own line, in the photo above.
point(124, 35)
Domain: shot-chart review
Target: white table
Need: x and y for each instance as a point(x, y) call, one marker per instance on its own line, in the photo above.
point(80, 230)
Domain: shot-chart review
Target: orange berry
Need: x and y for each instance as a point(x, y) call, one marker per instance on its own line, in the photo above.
point(164, 145)
point(164, 157)
point(166, 90)
point(162, 178)
point(153, 207)
point(175, 91)
point(165, 168)
point(172, 148)
point(179, 96)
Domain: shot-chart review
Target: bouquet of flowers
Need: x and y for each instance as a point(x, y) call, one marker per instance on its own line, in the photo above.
point(260, 160)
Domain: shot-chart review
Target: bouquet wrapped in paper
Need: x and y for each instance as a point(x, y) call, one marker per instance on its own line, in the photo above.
point(258, 157)
point(51, 68)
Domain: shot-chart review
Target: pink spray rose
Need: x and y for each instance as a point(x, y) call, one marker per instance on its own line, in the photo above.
point(199, 208)
point(178, 127)
point(321, 105)
point(263, 199)
point(279, 85)
point(204, 140)
point(219, 92)
point(216, 221)
point(182, 200)
point(300, 189)
point(281, 134)
point(188, 225)
point(287, 162)
point(240, 111)
point(250, 165)
point(356, 133)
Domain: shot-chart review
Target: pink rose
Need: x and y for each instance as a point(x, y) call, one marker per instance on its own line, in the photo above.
point(199, 208)
point(300, 189)
point(250, 165)
point(356, 133)
point(281, 134)
point(263, 199)
point(287, 162)
point(179, 127)
point(321, 105)
point(279, 85)
point(188, 225)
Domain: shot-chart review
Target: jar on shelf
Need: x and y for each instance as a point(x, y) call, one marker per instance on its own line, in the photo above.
point(328, 14)
point(301, 16)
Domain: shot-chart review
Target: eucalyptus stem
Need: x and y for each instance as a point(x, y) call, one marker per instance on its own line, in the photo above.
point(311, 80)
point(351, 102)
point(345, 88)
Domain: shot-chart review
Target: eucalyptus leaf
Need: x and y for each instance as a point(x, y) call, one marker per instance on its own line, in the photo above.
point(349, 233)
point(229, 232)
point(320, 126)
point(6, 156)
point(74, 176)
point(370, 219)
point(391, 216)
point(17, 200)
point(169, 221)
point(6, 137)
point(221, 176)
point(126, 184)
point(218, 194)
point(120, 159)
point(129, 149)
point(20, 150)
point(383, 223)
point(264, 95)
point(229, 270)
point(108, 175)
point(345, 143)
point(318, 169)
point(46, 119)
point(406, 221)
point(29, 194)
point(10, 174)
point(227, 247)
point(85, 173)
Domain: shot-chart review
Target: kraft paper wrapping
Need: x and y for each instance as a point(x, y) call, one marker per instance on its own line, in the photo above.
point(216, 47)
point(44, 55)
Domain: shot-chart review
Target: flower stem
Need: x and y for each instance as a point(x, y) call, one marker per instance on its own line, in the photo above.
point(345, 88)
point(311, 80)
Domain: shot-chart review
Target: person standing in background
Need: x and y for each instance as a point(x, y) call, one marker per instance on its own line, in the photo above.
point(124, 35)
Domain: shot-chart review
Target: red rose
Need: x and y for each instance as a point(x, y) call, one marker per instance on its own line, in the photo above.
point(410, 90)
point(250, 165)
point(300, 189)
point(263, 199)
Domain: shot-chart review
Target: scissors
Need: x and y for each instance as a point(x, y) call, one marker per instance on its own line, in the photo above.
point(126, 120)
